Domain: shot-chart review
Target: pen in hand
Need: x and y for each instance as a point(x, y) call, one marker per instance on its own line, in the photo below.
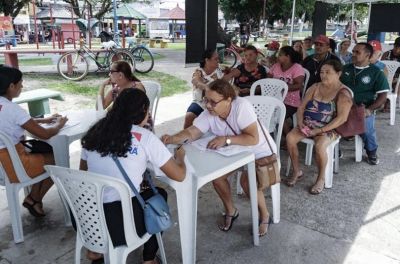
point(183, 143)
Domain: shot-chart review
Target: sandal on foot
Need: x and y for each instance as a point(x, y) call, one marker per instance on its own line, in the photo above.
point(232, 217)
point(292, 180)
point(31, 207)
point(315, 190)
point(266, 224)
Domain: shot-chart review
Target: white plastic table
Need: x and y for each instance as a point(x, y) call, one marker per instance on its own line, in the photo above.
point(66, 136)
point(203, 167)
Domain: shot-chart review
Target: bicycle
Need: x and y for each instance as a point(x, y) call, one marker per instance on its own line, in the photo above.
point(74, 65)
point(144, 59)
point(231, 55)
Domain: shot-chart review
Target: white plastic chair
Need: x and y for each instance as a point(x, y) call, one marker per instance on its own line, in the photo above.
point(333, 159)
point(84, 191)
point(306, 79)
point(265, 107)
point(13, 189)
point(270, 87)
point(392, 67)
point(153, 91)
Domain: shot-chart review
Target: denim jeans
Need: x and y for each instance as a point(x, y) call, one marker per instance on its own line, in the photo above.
point(369, 137)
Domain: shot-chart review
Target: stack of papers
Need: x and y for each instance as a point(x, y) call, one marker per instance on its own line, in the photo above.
point(201, 144)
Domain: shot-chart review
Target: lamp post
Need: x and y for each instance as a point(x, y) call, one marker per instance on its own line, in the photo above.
point(116, 35)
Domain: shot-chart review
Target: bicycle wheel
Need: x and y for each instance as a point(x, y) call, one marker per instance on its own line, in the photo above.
point(227, 58)
point(118, 55)
point(143, 58)
point(73, 66)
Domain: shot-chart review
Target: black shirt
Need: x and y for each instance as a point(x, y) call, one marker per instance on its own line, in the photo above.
point(314, 67)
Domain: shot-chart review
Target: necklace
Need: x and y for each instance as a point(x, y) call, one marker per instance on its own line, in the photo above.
point(356, 74)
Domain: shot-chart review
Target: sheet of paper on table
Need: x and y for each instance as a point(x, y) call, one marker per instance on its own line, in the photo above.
point(67, 125)
point(201, 144)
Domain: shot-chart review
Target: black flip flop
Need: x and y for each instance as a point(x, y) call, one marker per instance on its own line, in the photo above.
point(32, 209)
point(233, 218)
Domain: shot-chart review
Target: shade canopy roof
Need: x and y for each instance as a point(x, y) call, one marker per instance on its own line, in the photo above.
point(56, 12)
point(126, 11)
point(176, 13)
point(350, 1)
point(83, 23)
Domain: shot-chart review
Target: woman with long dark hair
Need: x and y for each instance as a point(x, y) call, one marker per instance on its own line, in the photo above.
point(120, 77)
point(121, 134)
point(13, 122)
point(290, 71)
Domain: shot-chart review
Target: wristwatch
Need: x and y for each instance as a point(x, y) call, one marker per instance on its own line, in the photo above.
point(228, 141)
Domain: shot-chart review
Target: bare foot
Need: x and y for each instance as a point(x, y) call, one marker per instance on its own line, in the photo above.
point(317, 188)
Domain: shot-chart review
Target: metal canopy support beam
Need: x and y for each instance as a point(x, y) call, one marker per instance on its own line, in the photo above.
point(292, 23)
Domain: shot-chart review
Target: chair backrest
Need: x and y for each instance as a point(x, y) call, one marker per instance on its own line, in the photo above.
point(392, 67)
point(83, 192)
point(16, 161)
point(153, 91)
point(306, 78)
point(267, 108)
point(271, 87)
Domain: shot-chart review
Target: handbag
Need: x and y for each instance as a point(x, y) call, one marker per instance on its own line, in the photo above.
point(37, 146)
point(267, 168)
point(157, 217)
point(355, 124)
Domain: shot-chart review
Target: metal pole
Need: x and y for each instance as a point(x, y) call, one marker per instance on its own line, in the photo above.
point(73, 26)
point(36, 29)
point(116, 35)
point(205, 24)
point(52, 26)
point(352, 22)
point(89, 6)
point(292, 23)
point(263, 17)
point(369, 16)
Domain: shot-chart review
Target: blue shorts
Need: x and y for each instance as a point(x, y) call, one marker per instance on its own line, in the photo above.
point(195, 108)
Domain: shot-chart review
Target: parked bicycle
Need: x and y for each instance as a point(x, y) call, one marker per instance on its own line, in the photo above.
point(144, 59)
point(232, 55)
point(74, 65)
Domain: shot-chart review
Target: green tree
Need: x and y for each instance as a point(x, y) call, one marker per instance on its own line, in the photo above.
point(12, 7)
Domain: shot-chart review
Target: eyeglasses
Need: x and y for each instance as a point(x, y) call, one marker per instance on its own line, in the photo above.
point(212, 103)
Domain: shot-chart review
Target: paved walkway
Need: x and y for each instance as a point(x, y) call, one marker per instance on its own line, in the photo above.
point(357, 221)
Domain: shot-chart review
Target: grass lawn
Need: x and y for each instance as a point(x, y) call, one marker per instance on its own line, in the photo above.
point(32, 61)
point(177, 46)
point(90, 85)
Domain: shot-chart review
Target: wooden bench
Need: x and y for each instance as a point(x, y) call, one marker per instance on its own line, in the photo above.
point(38, 100)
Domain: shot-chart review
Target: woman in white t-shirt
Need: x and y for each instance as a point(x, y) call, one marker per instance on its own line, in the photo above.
point(121, 134)
point(233, 120)
point(13, 122)
point(207, 72)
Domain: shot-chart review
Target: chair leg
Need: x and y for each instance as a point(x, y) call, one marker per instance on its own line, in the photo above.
point(67, 216)
point(239, 189)
point(329, 167)
point(78, 249)
point(359, 148)
point(15, 213)
point(336, 159)
point(392, 110)
point(276, 202)
point(161, 248)
point(289, 163)
point(309, 150)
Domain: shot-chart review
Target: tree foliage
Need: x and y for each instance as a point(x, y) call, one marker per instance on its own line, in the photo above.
point(12, 7)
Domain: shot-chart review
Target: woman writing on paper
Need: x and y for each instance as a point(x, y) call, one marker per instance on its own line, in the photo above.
point(13, 122)
point(233, 121)
point(121, 134)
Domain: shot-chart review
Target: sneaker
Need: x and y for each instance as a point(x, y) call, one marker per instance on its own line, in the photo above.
point(372, 159)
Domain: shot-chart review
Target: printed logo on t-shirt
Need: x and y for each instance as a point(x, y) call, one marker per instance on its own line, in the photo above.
point(138, 136)
point(366, 79)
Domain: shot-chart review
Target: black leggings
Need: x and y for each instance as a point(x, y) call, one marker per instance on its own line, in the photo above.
point(113, 215)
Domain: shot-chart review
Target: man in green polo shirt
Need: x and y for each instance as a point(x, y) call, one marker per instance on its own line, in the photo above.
point(370, 88)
